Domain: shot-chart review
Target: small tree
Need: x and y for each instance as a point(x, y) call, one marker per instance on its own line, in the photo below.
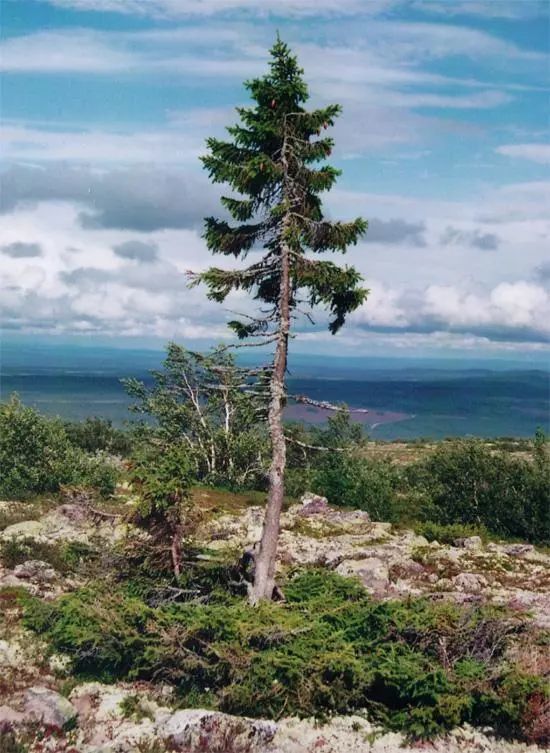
point(269, 163)
point(162, 475)
point(204, 400)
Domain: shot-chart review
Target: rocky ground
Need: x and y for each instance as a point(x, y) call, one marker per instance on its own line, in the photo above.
point(35, 694)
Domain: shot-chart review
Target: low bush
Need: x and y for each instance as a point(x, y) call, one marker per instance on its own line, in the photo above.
point(35, 452)
point(98, 434)
point(464, 482)
point(37, 456)
point(447, 534)
point(353, 481)
point(415, 666)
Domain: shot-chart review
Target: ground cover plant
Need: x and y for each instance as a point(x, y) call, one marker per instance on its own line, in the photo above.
point(414, 666)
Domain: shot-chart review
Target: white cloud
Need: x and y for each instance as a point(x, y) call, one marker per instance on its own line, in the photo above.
point(533, 152)
point(183, 8)
point(169, 145)
point(79, 51)
point(81, 283)
point(507, 9)
point(510, 311)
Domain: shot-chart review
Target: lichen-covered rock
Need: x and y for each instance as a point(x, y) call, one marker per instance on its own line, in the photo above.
point(35, 571)
point(11, 654)
point(313, 504)
point(372, 572)
point(198, 729)
point(48, 707)
point(470, 542)
point(11, 581)
point(354, 734)
point(10, 719)
point(469, 583)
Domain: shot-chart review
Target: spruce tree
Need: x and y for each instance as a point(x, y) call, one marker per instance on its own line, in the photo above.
point(270, 163)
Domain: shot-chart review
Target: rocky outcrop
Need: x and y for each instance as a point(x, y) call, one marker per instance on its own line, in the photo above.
point(395, 563)
point(48, 708)
point(107, 723)
point(65, 523)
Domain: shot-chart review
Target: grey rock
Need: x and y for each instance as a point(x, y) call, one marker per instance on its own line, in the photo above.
point(10, 718)
point(199, 729)
point(472, 543)
point(471, 583)
point(35, 570)
point(372, 572)
point(10, 654)
point(518, 550)
point(313, 504)
point(48, 707)
point(11, 581)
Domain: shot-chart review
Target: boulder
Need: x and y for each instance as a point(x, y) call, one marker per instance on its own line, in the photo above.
point(313, 504)
point(9, 719)
point(10, 654)
point(518, 550)
point(212, 731)
point(471, 583)
point(472, 543)
point(11, 581)
point(36, 571)
point(372, 572)
point(48, 707)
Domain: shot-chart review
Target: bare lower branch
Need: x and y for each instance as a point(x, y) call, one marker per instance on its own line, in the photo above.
point(317, 447)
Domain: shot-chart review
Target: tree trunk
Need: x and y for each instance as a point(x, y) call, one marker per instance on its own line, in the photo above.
point(264, 576)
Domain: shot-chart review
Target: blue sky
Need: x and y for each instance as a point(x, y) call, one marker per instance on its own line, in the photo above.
point(443, 143)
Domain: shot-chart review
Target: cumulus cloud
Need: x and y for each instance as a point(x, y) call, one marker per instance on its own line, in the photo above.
point(18, 250)
point(514, 311)
point(475, 238)
point(136, 198)
point(137, 251)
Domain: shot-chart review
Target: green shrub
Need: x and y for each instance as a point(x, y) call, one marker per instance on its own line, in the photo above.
point(36, 455)
point(464, 482)
point(162, 475)
point(104, 631)
point(98, 472)
point(447, 534)
point(364, 484)
point(35, 452)
point(415, 666)
point(98, 434)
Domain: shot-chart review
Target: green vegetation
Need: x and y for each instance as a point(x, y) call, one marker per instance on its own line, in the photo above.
point(65, 557)
point(162, 475)
point(36, 456)
point(464, 482)
point(95, 434)
point(415, 666)
point(195, 399)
